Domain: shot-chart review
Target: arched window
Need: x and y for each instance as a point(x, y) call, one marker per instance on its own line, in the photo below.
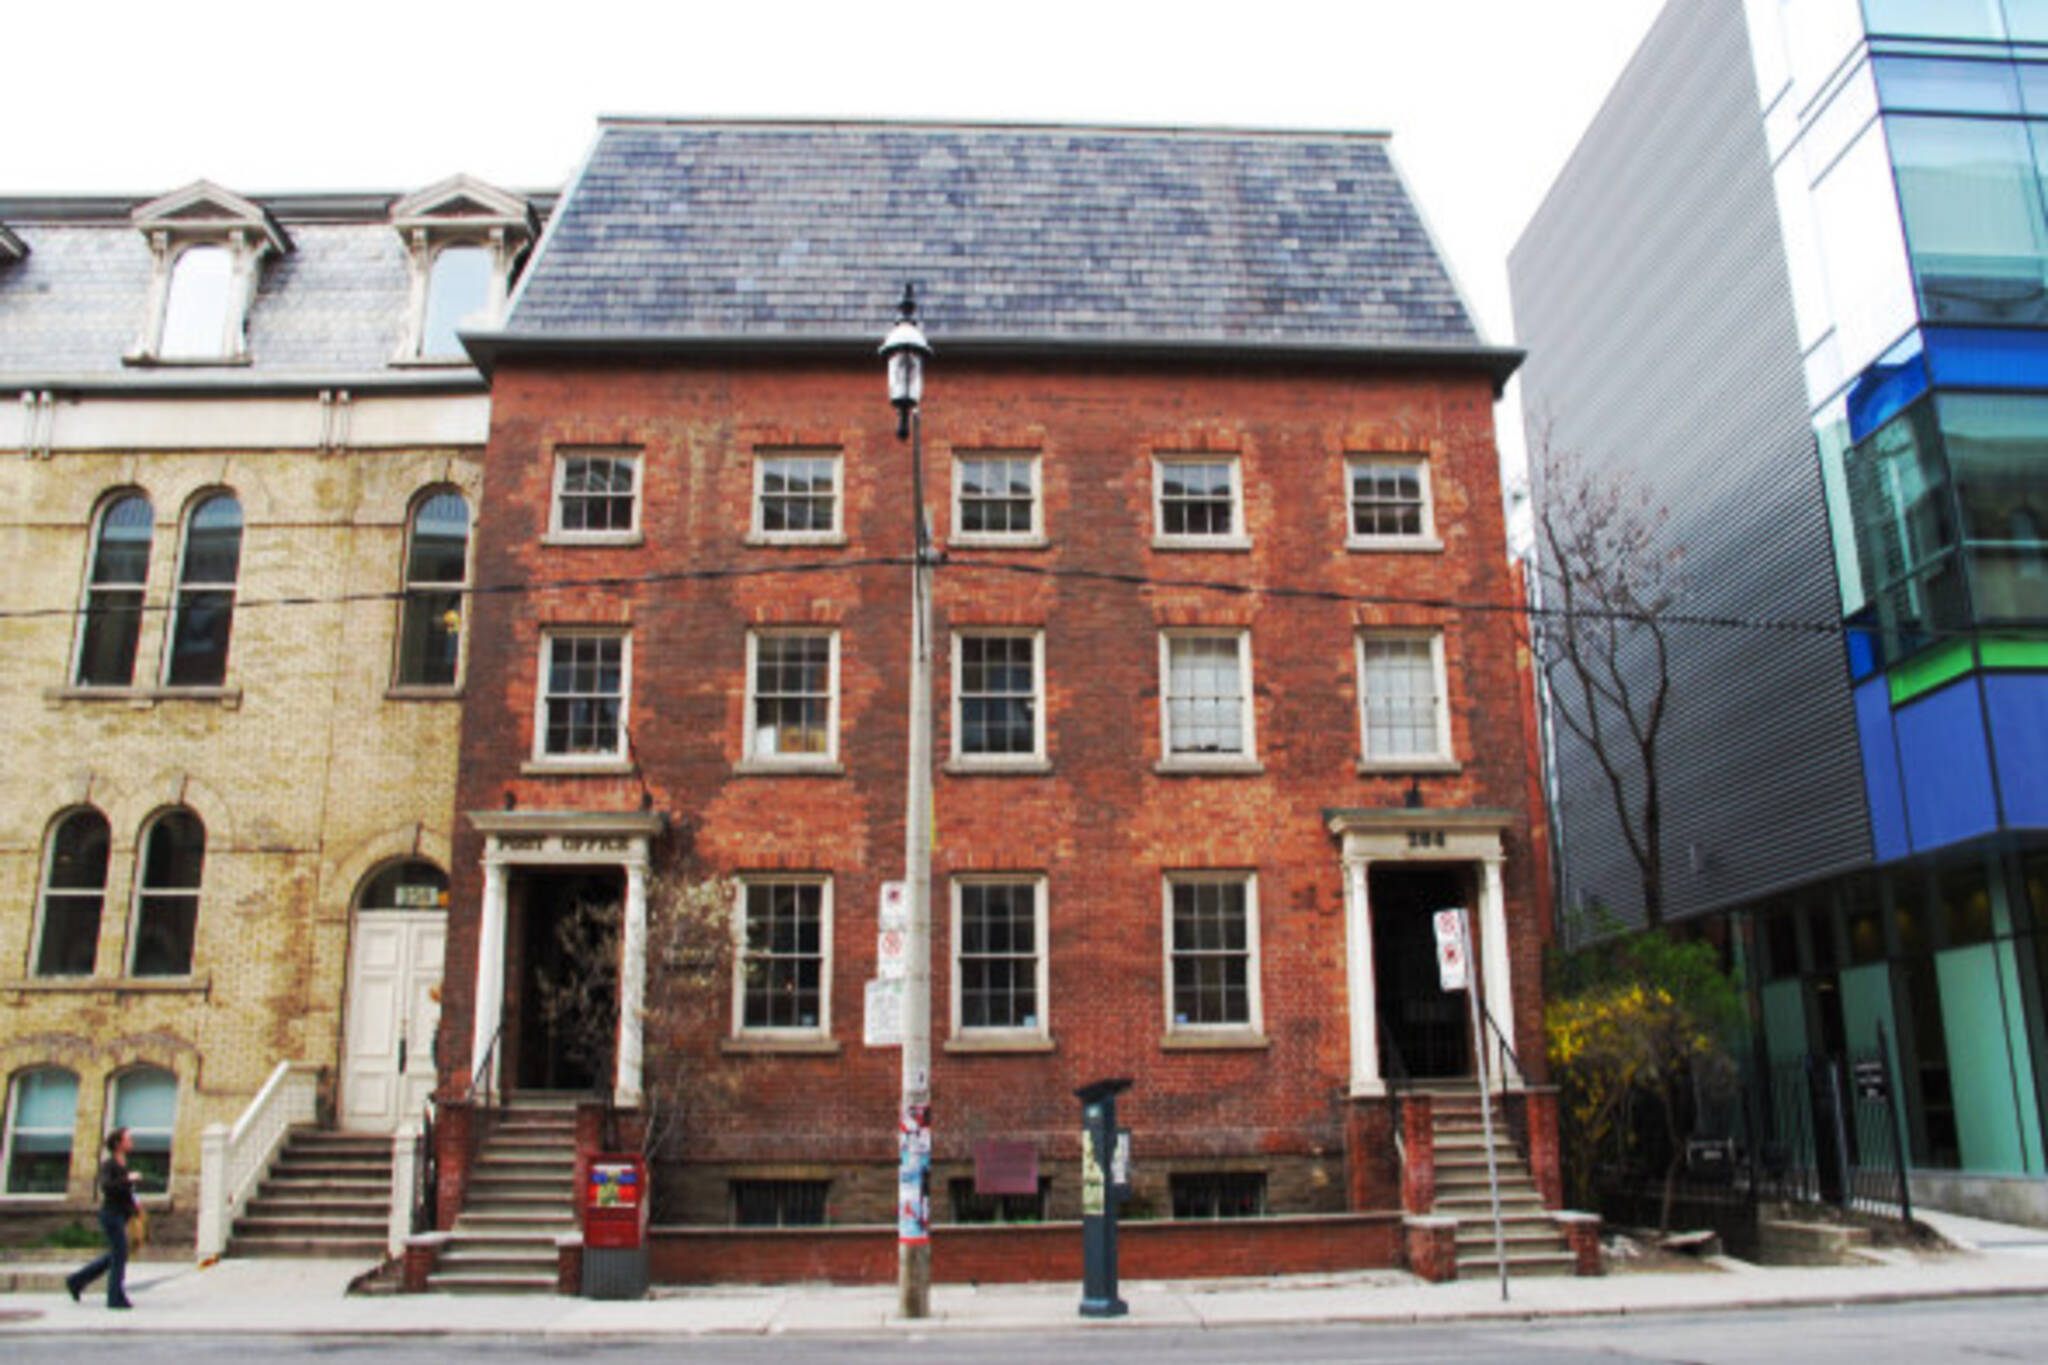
point(42, 1110)
point(196, 310)
point(436, 572)
point(167, 901)
point(458, 296)
point(74, 892)
point(204, 614)
point(113, 593)
point(412, 885)
point(145, 1102)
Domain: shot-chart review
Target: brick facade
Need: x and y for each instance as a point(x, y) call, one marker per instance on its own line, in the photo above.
point(1101, 825)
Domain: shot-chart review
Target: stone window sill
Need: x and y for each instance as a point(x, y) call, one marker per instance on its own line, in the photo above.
point(1422, 545)
point(401, 692)
point(820, 1046)
point(592, 540)
point(795, 539)
point(1401, 767)
point(597, 767)
point(1227, 544)
point(197, 984)
point(769, 767)
point(1209, 767)
point(1221, 1040)
point(992, 767)
point(227, 698)
point(971, 541)
point(1020, 1043)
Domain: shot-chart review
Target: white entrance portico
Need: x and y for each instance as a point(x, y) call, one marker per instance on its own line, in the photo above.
point(562, 839)
point(1417, 835)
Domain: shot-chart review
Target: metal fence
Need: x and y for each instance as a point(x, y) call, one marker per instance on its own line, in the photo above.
point(1817, 1129)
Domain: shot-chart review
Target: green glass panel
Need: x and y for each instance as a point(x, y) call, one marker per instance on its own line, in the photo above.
point(1980, 1060)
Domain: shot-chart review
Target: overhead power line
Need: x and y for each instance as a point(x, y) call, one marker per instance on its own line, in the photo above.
point(1224, 587)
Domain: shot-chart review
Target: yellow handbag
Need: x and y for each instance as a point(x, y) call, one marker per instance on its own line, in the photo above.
point(138, 1229)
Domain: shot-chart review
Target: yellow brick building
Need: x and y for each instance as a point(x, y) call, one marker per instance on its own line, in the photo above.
point(239, 463)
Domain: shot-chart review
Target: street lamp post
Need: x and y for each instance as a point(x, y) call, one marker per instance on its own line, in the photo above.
point(906, 350)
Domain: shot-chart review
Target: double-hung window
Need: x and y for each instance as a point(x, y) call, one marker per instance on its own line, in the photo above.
point(42, 1112)
point(1404, 717)
point(145, 1102)
point(203, 613)
point(115, 584)
point(74, 894)
point(436, 578)
point(1206, 698)
point(597, 496)
point(996, 499)
point(1388, 501)
point(998, 698)
point(1198, 502)
point(167, 898)
point(784, 981)
point(792, 697)
point(999, 973)
point(796, 497)
point(1212, 950)
point(585, 683)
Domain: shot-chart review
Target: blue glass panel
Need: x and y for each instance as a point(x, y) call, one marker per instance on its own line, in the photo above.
point(1937, 86)
point(2018, 703)
point(1935, 18)
point(1882, 392)
point(1888, 833)
point(1945, 766)
point(1862, 638)
point(1987, 358)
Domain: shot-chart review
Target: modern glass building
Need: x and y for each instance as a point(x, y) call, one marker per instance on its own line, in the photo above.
point(1853, 312)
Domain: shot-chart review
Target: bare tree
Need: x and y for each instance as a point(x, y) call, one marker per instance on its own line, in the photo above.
point(1608, 579)
point(690, 949)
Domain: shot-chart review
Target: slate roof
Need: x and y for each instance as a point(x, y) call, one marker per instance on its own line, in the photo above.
point(332, 310)
point(700, 231)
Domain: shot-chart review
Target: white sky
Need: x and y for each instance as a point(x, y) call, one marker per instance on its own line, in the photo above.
point(1485, 98)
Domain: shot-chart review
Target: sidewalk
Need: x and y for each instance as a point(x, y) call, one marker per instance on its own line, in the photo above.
point(299, 1298)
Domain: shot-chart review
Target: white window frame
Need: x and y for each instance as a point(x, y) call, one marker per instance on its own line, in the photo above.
point(1247, 756)
point(111, 1114)
point(1252, 1030)
point(1031, 537)
point(182, 586)
point(1426, 539)
point(458, 212)
point(750, 757)
point(757, 532)
point(558, 534)
point(1036, 759)
point(44, 891)
point(741, 1030)
point(412, 591)
point(620, 754)
point(1237, 538)
point(143, 891)
point(12, 1127)
point(1040, 1032)
point(1442, 758)
point(200, 215)
point(108, 501)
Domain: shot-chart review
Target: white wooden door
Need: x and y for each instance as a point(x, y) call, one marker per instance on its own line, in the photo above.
point(394, 976)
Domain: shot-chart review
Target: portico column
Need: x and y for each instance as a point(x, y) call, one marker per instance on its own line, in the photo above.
point(1361, 992)
point(626, 1091)
point(490, 982)
point(1493, 951)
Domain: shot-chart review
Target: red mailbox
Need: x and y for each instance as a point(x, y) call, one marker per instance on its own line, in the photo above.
point(615, 1202)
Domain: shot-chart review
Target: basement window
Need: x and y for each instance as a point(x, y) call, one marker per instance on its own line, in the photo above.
point(1219, 1194)
point(779, 1203)
point(969, 1207)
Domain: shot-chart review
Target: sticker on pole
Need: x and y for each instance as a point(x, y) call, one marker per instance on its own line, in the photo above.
point(895, 907)
point(1453, 950)
point(883, 1024)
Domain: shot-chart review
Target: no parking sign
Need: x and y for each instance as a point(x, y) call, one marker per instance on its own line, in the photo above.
point(1453, 950)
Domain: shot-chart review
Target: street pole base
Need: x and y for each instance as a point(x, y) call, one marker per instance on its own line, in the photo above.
point(914, 1279)
point(1104, 1308)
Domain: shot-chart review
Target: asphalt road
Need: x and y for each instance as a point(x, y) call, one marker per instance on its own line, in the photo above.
point(1975, 1332)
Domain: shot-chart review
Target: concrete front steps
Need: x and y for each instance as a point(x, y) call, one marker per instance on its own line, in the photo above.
point(1532, 1239)
point(328, 1194)
point(521, 1197)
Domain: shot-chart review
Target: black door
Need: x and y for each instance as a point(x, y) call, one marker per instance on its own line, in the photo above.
point(1420, 1023)
point(567, 1007)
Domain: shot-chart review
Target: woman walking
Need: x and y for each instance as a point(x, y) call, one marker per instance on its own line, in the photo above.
point(117, 1206)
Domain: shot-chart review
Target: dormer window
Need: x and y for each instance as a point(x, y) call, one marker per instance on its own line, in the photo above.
point(207, 247)
point(464, 241)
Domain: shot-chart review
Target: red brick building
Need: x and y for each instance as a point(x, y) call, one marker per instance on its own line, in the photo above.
point(1229, 694)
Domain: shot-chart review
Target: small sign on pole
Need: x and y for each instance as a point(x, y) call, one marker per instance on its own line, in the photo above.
point(1453, 950)
point(883, 1025)
point(895, 907)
